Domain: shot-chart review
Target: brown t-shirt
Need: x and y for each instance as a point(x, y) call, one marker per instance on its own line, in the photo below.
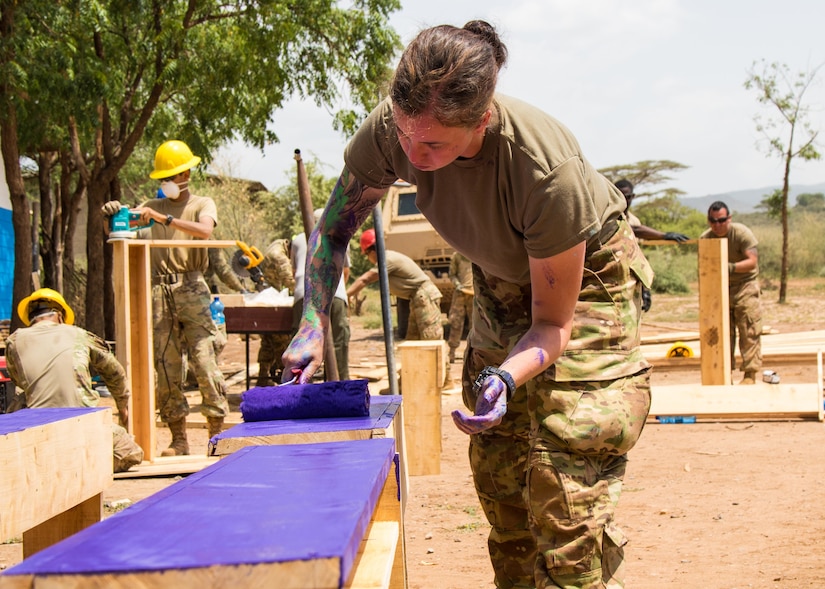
point(404, 275)
point(740, 239)
point(528, 192)
point(174, 260)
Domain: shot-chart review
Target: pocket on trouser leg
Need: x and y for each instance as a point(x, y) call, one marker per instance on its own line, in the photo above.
point(565, 503)
point(613, 545)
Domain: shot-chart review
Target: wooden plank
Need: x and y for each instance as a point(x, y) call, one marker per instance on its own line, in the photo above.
point(271, 522)
point(714, 319)
point(52, 460)
point(791, 400)
point(381, 422)
point(376, 557)
point(258, 319)
point(62, 525)
point(422, 377)
point(163, 466)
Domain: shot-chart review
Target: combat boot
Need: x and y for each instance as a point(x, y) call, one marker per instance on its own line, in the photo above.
point(215, 426)
point(179, 445)
point(452, 355)
point(749, 378)
point(263, 375)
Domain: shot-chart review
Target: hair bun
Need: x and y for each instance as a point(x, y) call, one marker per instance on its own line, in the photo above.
point(486, 31)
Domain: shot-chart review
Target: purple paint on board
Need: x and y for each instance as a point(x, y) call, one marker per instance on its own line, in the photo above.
point(382, 410)
point(348, 398)
point(26, 418)
point(262, 504)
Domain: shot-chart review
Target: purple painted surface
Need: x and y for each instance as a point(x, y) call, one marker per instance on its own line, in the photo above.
point(346, 398)
point(382, 411)
point(26, 418)
point(262, 504)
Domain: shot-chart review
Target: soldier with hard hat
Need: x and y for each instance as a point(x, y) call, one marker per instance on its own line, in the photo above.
point(50, 360)
point(180, 295)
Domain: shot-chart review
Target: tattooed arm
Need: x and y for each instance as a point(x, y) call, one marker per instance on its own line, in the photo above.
point(348, 207)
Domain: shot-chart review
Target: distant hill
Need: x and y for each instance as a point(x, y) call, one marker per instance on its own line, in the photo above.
point(746, 201)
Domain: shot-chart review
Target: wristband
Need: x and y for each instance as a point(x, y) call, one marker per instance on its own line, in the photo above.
point(169, 219)
point(731, 267)
point(502, 374)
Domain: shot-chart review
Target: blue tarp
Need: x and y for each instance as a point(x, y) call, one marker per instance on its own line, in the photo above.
point(6, 263)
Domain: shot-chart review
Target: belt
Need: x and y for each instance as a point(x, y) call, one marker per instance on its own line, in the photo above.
point(174, 278)
point(609, 229)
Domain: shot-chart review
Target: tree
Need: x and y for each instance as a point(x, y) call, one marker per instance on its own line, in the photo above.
point(87, 87)
point(647, 173)
point(811, 202)
point(788, 132)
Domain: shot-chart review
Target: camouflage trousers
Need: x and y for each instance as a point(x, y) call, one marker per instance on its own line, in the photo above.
point(746, 321)
point(126, 452)
point(425, 314)
point(273, 346)
point(550, 476)
point(460, 307)
point(182, 320)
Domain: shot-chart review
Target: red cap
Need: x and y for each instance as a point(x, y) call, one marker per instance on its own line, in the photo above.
point(367, 240)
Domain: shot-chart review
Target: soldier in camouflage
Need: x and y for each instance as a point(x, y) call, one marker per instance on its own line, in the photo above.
point(461, 307)
point(50, 362)
point(277, 271)
point(553, 372)
point(180, 295)
point(407, 281)
point(743, 288)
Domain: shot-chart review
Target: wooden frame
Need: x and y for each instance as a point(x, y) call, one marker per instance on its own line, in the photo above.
point(264, 516)
point(56, 463)
point(422, 376)
point(131, 271)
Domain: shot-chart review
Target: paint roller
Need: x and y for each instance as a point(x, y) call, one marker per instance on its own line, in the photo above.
point(344, 398)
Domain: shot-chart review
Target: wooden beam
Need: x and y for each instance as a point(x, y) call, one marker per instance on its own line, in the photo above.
point(714, 319)
point(422, 377)
point(54, 461)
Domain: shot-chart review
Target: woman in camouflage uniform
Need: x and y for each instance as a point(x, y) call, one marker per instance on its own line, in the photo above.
point(561, 390)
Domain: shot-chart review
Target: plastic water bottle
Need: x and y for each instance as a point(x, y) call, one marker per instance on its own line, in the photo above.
point(216, 307)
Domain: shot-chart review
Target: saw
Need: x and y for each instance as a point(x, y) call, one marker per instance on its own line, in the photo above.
point(245, 264)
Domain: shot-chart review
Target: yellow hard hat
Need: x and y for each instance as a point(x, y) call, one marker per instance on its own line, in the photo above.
point(680, 350)
point(50, 298)
point(172, 158)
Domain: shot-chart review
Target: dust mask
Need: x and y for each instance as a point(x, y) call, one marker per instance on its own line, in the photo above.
point(170, 189)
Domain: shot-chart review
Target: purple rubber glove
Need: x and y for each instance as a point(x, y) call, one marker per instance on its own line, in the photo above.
point(491, 406)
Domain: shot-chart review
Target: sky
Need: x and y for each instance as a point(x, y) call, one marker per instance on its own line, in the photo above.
point(632, 79)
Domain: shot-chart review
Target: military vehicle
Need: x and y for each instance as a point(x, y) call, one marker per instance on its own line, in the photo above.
point(406, 230)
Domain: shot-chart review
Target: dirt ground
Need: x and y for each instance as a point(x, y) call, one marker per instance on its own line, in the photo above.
point(716, 504)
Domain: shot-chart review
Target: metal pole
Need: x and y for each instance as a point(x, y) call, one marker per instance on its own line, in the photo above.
point(305, 200)
point(386, 308)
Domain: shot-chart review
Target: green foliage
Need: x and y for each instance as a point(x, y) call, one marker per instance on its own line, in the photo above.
point(667, 213)
point(811, 202)
point(645, 174)
point(674, 266)
point(772, 204)
point(806, 243)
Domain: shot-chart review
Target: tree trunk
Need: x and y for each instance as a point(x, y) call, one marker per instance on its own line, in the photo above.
point(20, 215)
point(783, 275)
point(95, 277)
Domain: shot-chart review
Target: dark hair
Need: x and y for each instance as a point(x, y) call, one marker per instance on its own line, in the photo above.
point(450, 73)
point(717, 206)
point(624, 183)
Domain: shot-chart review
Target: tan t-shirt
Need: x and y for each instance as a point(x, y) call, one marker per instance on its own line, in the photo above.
point(740, 239)
point(529, 191)
point(173, 260)
point(404, 275)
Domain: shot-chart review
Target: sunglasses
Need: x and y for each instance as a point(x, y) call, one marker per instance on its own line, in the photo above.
point(718, 221)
